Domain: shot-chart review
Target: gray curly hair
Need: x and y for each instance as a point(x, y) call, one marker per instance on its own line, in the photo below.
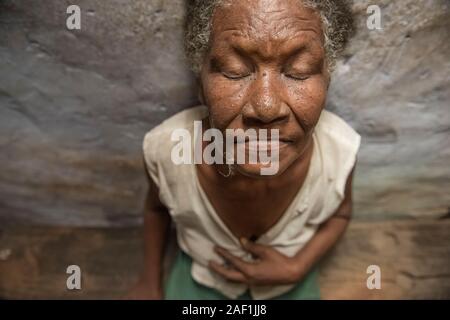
point(337, 23)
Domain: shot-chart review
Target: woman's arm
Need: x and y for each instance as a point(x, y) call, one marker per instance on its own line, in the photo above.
point(155, 231)
point(327, 235)
point(273, 267)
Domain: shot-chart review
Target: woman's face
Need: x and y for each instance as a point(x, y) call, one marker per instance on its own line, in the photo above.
point(266, 70)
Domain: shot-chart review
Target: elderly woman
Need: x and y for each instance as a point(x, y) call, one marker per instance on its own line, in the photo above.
point(262, 65)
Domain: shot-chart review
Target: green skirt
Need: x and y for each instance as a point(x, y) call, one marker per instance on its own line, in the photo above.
point(180, 285)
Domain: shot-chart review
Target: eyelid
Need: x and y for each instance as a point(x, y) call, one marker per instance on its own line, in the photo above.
point(301, 72)
point(235, 77)
point(221, 67)
point(301, 77)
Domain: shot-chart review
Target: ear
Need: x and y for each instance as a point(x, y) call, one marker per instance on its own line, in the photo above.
point(200, 93)
point(327, 74)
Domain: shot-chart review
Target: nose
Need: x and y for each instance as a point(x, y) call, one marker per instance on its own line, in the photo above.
point(265, 106)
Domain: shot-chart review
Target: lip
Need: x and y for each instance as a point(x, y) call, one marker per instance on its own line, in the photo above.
point(248, 139)
point(267, 145)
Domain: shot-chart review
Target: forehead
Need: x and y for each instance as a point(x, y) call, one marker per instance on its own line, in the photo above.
point(266, 21)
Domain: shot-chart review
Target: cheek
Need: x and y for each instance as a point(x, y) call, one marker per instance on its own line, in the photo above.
point(307, 101)
point(224, 99)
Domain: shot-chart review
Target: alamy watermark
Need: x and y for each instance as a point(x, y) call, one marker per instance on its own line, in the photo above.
point(262, 146)
point(73, 21)
point(74, 280)
point(374, 280)
point(374, 19)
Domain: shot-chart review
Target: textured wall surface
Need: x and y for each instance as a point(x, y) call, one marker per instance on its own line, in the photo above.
point(74, 106)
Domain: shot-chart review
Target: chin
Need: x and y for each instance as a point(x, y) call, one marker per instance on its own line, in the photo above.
point(266, 171)
point(261, 171)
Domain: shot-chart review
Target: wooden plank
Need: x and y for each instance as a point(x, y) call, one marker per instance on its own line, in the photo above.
point(414, 258)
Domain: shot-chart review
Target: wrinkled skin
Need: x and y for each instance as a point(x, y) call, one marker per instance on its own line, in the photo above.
point(266, 69)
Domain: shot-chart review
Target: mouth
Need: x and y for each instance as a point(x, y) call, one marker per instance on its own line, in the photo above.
point(255, 145)
point(266, 145)
point(265, 140)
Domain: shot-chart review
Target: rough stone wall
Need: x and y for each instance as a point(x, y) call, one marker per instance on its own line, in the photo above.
point(74, 106)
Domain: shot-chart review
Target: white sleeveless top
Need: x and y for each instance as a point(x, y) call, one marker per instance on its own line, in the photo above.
point(199, 227)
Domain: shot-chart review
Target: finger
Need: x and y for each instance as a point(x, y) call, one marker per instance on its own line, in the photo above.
point(243, 266)
point(255, 249)
point(229, 274)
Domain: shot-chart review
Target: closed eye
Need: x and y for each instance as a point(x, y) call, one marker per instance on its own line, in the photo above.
point(233, 76)
point(299, 77)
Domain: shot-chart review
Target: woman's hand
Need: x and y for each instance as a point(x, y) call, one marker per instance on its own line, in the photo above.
point(143, 291)
point(270, 267)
